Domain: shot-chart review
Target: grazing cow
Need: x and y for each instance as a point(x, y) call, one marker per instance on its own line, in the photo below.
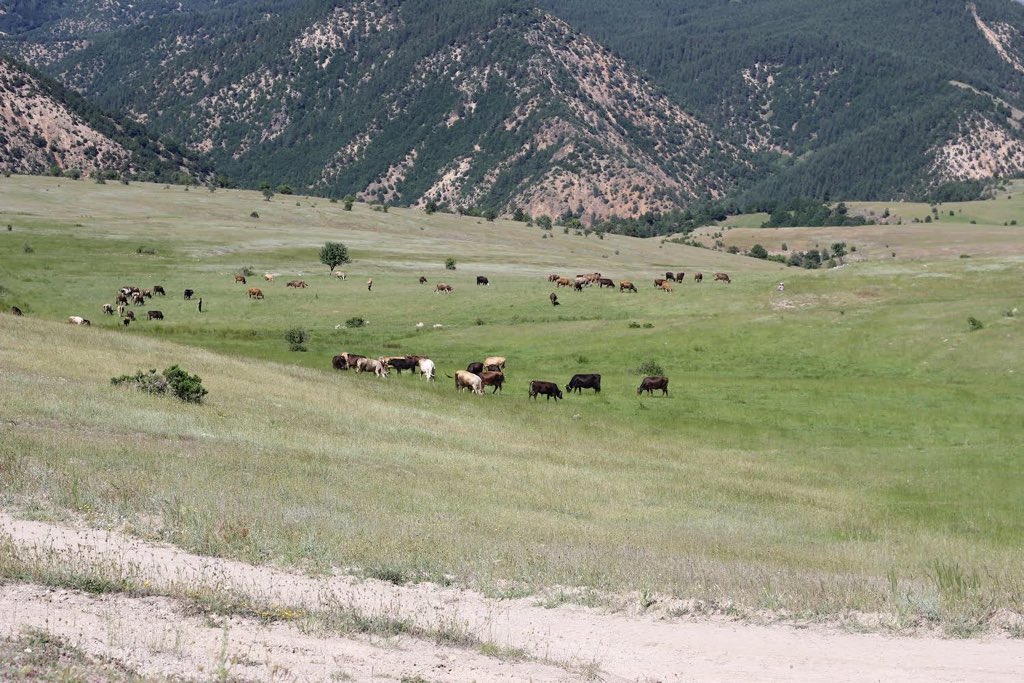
point(679, 277)
point(475, 368)
point(78, 320)
point(670, 276)
point(443, 287)
point(297, 284)
point(146, 294)
point(158, 289)
point(658, 282)
point(605, 282)
point(122, 298)
point(581, 382)
point(554, 299)
point(497, 361)
point(649, 384)
point(553, 277)
point(467, 380)
point(549, 389)
point(423, 279)
point(340, 275)
point(345, 361)
point(120, 310)
point(666, 287)
point(255, 293)
point(372, 365)
point(722, 277)
point(130, 314)
point(578, 284)
point(492, 378)
point(481, 280)
point(563, 282)
point(781, 287)
point(240, 278)
point(16, 311)
point(698, 277)
point(108, 309)
point(269, 277)
point(138, 300)
point(626, 284)
point(400, 363)
point(188, 294)
point(154, 315)
point(126, 321)
point(427, 368)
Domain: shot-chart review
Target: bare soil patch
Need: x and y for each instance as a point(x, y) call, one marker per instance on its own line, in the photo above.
point(157, 636)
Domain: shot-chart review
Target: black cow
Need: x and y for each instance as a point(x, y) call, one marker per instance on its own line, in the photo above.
point(649, 384)
point(158, 289)
point(475, 368)
point(549, 389)
point(581, 382)
point(605, 282)
point(16, 311)
point(400, 363)
point(481, 280)
point(423, 280)
point(188, 294)
point(154, 315)
point(554, 299)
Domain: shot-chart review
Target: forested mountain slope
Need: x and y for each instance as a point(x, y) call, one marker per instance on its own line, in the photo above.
point(858, 99)
point(589, 107)
point(491, 104)
point(45, 128)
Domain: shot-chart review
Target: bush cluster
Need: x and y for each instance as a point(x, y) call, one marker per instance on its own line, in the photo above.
point(186, 387)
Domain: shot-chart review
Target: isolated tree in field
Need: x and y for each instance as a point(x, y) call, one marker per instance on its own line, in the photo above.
point(758, 251)
point(334, 254)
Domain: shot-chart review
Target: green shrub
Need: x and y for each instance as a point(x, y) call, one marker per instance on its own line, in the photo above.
point(649, 367)
point(188, 388)
point(355, 321)
point(254, 214)
point(449, 263)
point(145, 250)
point(974, 324)
point(296, 338)
point(247, 271)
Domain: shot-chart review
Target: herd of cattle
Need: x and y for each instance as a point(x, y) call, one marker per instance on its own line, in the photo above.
point(480, 374)
point(477, 375)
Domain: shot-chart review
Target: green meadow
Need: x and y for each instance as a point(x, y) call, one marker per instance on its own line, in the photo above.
point(850, 443)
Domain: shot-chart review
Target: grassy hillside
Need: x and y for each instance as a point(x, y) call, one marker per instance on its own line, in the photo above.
point(846, 444)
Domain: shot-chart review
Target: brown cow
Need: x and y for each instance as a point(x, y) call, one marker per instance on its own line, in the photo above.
point(154, 315)
point(443, 287)
point(698, 277)
point(240, 278)
point(492, 378)
point(666, 287)
point(549, 389)
point(605, 282)
point(649, 384)
point(345, 360)
point(297, 284)
point(553, 277)
point(679, 277)
point(722, 277)
point(255, 293)
point(563, 282)
point(467, 380)
point(138, 300)
point(130, 314)
point(659, 281)
point(626, 284)
point(122, 298)
point(146, 294)
point(423, 279)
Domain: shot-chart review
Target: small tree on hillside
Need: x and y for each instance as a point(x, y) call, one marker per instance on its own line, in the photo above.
point(334, 254)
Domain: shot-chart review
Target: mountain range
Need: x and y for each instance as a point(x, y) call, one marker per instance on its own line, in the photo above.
point(585, 108)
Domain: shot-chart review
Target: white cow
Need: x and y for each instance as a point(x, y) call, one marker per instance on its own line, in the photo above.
point(77, 320)
point(427, 368)
point(467, 380)
point(372, 365)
